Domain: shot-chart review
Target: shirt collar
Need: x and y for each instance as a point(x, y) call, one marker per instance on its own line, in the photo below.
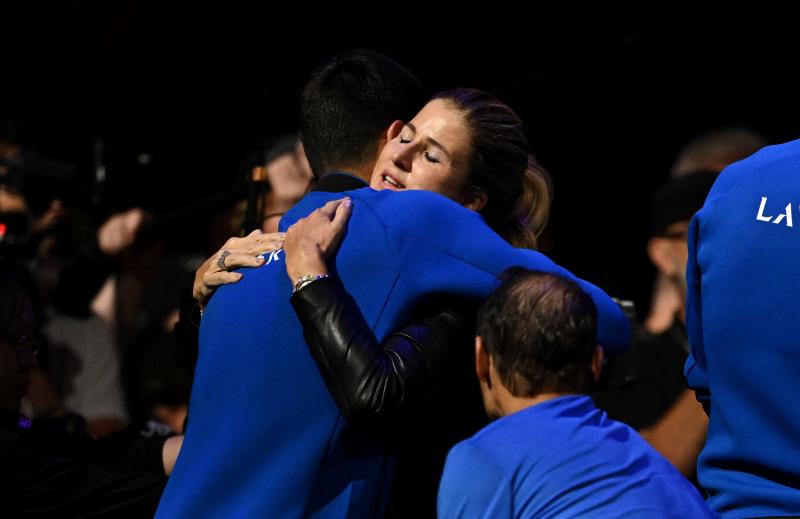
point(338, 181)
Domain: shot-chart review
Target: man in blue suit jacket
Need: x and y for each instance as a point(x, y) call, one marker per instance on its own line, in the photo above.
point(265, 438)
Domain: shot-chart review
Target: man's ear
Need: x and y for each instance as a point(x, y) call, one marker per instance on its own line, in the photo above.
point(597, 362)
point(482, 362)
point(661, 251)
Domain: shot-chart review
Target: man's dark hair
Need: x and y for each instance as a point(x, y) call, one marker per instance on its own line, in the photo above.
point(348, 102)
point(540, 331)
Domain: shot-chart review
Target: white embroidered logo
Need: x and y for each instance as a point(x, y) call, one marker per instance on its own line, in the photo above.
point(273, 256)
point(785, 215)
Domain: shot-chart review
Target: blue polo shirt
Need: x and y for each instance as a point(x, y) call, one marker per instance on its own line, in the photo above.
point(563, 458)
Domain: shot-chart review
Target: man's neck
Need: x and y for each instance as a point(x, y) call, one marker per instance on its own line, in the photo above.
point(339, 181)
point(364, 172)
point(510, 404)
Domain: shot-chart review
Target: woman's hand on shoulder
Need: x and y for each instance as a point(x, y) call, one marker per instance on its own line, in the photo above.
point(236, 253)
point(311, 240)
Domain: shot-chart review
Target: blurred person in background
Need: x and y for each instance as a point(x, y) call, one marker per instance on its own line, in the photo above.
point(716, 149)
point(49, 233)
point(48, 471)
point(645, 387)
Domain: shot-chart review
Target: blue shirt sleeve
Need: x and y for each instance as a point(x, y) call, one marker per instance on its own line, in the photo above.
point(613, 327)
point(473, 486)
point(696, 370)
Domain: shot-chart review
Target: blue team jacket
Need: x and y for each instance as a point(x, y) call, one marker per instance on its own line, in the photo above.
point(742, 305)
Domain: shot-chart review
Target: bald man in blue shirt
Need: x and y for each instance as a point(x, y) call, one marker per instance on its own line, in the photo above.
point(551, 453)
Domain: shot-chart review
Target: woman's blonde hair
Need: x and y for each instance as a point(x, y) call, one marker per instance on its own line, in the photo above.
point(501, 165)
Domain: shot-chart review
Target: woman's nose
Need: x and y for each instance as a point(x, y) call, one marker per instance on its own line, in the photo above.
point(402, 159)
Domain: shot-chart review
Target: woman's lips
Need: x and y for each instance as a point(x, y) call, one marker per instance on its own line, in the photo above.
point(390, 182)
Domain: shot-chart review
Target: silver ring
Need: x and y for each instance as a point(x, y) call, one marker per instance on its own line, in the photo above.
point(221, 260)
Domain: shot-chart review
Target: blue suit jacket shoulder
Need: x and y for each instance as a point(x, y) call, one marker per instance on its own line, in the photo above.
point(442, 247)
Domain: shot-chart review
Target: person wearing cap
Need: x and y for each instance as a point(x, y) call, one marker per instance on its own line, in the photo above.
point(645, 387)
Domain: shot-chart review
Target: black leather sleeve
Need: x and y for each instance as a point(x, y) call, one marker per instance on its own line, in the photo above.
point(381, 381)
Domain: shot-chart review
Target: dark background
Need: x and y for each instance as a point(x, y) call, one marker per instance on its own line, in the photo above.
point(608, 105)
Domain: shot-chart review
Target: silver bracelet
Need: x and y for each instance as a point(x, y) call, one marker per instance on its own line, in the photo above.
point(307, 280)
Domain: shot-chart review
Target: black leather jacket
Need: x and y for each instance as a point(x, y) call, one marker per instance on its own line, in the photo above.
point(370, 380)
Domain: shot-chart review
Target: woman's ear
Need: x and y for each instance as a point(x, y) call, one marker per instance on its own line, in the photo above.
point(475, 200)
point(394, 130)
point(391, 132)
